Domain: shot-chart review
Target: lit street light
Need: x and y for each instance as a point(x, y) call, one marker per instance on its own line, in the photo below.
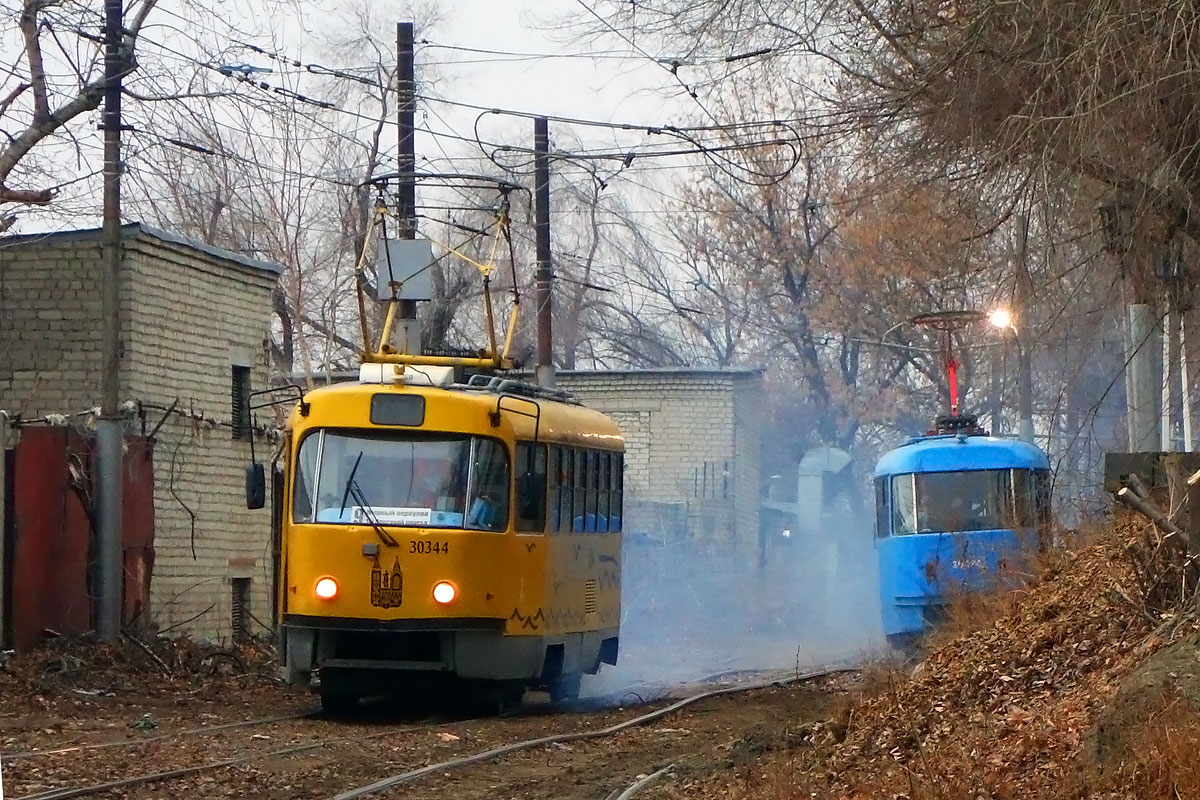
point(1002, 318)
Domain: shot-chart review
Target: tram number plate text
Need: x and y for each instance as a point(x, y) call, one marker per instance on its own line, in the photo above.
point(427, 547)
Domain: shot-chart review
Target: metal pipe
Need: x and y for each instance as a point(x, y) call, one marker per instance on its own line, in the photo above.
point(388, 322)
point(486, 360)
point(109, 427)
point(360, 276)
point(489, 313)
point(512, 329)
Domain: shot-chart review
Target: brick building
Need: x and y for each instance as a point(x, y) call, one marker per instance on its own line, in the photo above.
point(692, 441)
point(195, 321)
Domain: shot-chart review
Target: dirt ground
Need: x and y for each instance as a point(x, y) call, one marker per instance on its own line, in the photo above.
point(67, 723)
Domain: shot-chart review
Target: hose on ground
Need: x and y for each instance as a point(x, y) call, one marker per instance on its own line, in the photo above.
point(563, 738)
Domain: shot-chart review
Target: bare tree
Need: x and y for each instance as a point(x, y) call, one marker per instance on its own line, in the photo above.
point(54, 78)
point(280, 170)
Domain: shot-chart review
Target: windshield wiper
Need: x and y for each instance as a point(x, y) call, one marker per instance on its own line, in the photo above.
point(361, 499)
point(350, 483)
point(355, 491)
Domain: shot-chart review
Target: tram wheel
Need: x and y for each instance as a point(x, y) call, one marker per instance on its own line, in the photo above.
point(335, 703)
point(906, 646)
point(565, 688)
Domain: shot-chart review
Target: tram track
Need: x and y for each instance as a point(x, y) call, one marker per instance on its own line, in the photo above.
point(166, 775)
point(144, 740)
point(461, 743)
point(565, 738)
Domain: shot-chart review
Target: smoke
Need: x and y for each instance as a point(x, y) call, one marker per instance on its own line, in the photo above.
point(770, 600)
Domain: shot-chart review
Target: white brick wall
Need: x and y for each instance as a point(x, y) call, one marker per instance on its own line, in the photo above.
point(188, 316)
point(676, 422)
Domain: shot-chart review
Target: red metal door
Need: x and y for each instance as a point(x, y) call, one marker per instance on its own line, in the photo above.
point(137, 531)
point(51, 536)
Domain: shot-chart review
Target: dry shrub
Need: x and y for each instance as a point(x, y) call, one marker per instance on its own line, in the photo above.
point(1156, 757)
point(1001, 705)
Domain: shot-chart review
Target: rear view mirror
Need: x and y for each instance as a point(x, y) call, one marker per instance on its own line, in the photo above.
point(531, 491)
point(256, 486)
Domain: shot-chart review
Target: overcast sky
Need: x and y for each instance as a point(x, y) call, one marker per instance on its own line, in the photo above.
point(606, 80)
point(617, 83)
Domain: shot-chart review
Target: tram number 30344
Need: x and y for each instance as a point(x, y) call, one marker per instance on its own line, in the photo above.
point(429, 548)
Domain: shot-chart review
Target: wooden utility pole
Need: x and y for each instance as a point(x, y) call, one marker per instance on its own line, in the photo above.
point(545, 272)
point(406, 103)
point(109, 427)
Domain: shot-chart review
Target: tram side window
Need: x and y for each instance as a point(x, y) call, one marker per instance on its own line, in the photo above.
point(580, 493)
point(1023, 499)
point(616, 485)
point(904, 505)
point(566, 482)
point(303, 493)
point(531, 460)
point(882, 523)
point(592, 475)
point(603, 492)
point(1041, 498)
point(488, 506)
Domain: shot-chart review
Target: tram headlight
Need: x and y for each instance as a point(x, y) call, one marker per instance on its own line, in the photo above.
point(444, 592)
point(326, 588)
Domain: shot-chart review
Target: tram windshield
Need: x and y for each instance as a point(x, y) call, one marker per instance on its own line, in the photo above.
point(401, 480)
point(975, 500)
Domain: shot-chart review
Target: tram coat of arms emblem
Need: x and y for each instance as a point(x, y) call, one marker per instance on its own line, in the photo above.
point(387, 586)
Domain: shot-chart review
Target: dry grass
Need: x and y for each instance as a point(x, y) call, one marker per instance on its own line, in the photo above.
point(1007, 700)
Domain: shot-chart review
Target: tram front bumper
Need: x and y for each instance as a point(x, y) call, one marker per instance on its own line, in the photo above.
point(467, 648)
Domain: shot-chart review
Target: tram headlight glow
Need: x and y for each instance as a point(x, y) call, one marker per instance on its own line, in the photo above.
point(326, 588)
point(444, 592)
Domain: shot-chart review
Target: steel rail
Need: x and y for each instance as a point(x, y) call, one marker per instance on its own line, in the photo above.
point(97, 788)
point(563, 738)
point(158, 737)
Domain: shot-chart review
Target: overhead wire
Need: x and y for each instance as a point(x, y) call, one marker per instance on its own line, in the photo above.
point(674, 70)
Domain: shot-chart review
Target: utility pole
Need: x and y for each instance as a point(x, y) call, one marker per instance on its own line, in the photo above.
point(545, 271)
point(109, 427)
point(1024, 357)
point(406, 104)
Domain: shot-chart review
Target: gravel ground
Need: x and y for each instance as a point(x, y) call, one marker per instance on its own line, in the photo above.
point(56, 707)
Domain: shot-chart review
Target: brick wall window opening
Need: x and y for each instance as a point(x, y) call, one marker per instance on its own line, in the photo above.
point(239, 613)
point(240, 401)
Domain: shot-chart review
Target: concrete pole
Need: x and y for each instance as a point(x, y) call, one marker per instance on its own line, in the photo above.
point(1143, 401)
point(1164, 406)
point(1173, 377)
point(406, 104)
point(110, 427)
point(1024, 300)
point(1025, 391)
point(545, 271)
point(1185, 384)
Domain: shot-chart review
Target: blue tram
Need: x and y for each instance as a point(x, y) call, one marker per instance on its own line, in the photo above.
point(954, 509)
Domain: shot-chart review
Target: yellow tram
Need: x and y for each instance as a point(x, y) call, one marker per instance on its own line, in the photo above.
point(432, 534)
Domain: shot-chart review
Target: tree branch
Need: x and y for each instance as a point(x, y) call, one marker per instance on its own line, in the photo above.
point(30, 25)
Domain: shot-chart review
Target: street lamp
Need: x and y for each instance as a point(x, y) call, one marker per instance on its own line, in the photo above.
point(1002, 318)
